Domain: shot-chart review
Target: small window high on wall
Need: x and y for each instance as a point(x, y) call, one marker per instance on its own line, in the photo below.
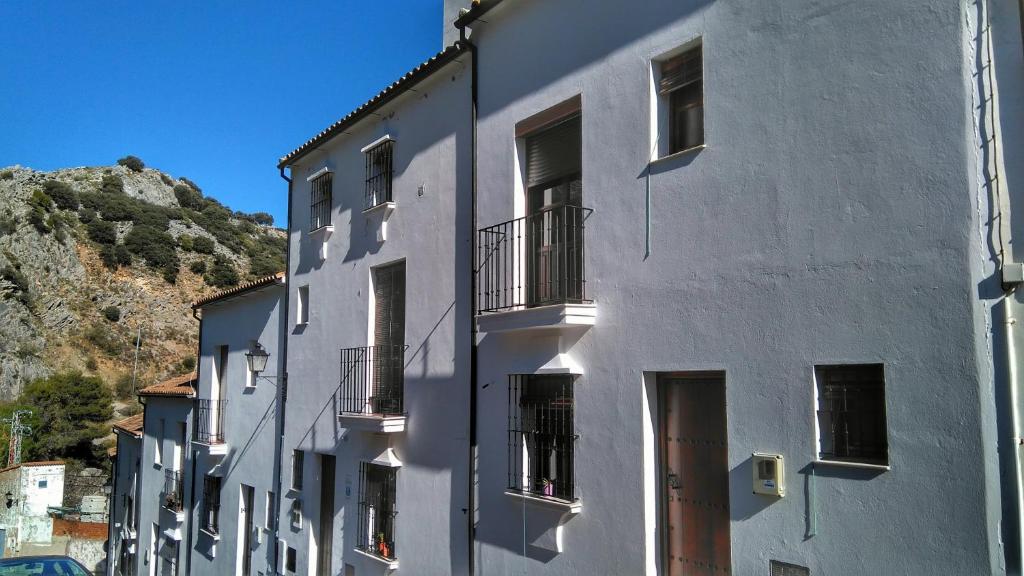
point(681, 93)
point(320, 201)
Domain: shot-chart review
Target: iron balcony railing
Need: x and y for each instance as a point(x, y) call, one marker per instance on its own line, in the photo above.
point(536, 260)
point(372, 379)
point(209, 427)
point(172, 494)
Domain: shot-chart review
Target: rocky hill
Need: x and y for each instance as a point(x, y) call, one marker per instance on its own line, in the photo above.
point(91, 257)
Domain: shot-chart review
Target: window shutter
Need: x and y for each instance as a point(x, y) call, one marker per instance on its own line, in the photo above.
point(681, 70)
point(555, 152)
point(389, 317)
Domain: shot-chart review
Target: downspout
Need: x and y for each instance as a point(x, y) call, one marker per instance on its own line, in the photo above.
point(282, 383)
point(471, 513)
point(195, 454)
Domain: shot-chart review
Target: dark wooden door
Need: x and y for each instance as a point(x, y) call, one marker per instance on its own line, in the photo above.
point(695, 475)
point(326, 544)
point(246, 543)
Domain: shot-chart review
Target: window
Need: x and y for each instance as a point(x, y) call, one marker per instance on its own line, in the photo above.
point(170, 567)
point(376, 531)
point(302, 306)
point(681, 89)
point(289, 563)
point(222, 372)
point(211, 504)
point(158, 456)
point(270, 516)
point(541, 435)
point(297, 462)
point(42, 483)
point(320, 201)
point(379, 173)
point(851, 413)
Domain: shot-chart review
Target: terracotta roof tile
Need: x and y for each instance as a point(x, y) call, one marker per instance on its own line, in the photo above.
point(240, 289)
point(130, 425)
point(411, 78)
point(183, 385)
point(33, 464)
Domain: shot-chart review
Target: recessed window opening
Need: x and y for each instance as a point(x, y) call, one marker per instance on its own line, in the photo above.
point(320, 201)
point(298, 457)
point(851, 414)
point(681, 91)
point(379, 173)
point(541, 435)
point(211, 504)
point(302, 306)
point(377, 511)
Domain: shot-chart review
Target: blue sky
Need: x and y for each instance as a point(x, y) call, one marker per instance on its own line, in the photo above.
point(215, 91)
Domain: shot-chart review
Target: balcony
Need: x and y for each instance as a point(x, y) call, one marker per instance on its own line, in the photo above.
point(371, 392)
point(209, 426)
point(531, 273)
point(172, 499)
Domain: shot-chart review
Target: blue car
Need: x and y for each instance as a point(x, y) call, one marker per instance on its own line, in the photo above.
point(42, 566)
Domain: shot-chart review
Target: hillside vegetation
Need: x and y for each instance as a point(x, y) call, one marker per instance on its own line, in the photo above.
point(91, 257)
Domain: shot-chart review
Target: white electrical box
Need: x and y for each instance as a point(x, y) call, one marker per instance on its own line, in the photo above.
point(769, 474)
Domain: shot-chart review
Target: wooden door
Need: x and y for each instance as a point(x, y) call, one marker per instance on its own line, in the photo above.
point(325, 544)
point(246, 510)
point(694, 475)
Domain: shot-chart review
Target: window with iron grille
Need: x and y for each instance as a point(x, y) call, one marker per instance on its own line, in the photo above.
point(681, 88)
point(320, 201)
point(376, 532)
point(541, 437)
point(211, 504)
point(851, 413)
point(298, 458)
point(379, 173)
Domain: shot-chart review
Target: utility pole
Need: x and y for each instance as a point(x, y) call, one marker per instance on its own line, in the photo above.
point(18, 429)
point(135, 368)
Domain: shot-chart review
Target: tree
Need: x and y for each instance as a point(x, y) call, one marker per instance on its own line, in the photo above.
point(62, 195)
point(112, 184)
point(188, 197)
point(133, 163)
point(102, 232)
point(222, 273)
point(69, 411)
point(203, 245)
point(263, 218)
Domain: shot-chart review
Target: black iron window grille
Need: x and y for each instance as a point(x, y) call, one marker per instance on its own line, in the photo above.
point(172, 494)
point(541, 437)
point(320, 201)
point(209, 428)
point(536, 260)
point(298, 461)
point(851, 413)
point(211, 504)
point(372, 379)
point(682, 83)
point(379, 173)
point(376, 531)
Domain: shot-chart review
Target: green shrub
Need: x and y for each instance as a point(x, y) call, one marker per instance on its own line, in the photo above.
point(188, 363)
point(17, 278)
point(263, 219)
point(203, 245)
point(170, 273)
point(121, 208)
point(105, 339)
point(124, 386)
point(102, 232)
point(115, 256)
point(7, 175)
point(166, 179)
point(155, 246)
point(198, 267)
point(58, 225)
point(39, 206)
point(112, 313)
point(222, 273)
point(91, 364)
point(133, 163)
point(185, 242)
point(265, 265)
point(190, 183)
point(86, 215)
point(188, 197)
point(62, 195)
point(8, 225)
point(112, 184)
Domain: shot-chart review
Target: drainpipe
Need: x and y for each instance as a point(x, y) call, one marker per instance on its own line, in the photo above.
point(471, 513)
point(282, 382)
point(195, 455)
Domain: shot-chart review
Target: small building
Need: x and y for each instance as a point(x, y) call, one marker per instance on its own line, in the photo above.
point(26, 491)
point(123, 525)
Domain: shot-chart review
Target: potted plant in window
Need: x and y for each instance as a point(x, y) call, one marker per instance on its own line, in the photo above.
point(547, 487)
point(382, 547)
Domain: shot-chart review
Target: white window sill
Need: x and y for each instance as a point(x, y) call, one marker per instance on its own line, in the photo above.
point(322, 231)
point(391, 564)
point(211, 535)
point(681, 153)
point(386, 207)
point(861, 465)
point(302, 324)
point(574, 507)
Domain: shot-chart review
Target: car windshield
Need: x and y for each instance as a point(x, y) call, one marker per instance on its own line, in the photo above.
point(40, 567)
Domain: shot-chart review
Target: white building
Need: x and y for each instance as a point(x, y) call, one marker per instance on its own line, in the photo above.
point(123, 533)
point(27, 490)
point(236, 428)
point(376, 435)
